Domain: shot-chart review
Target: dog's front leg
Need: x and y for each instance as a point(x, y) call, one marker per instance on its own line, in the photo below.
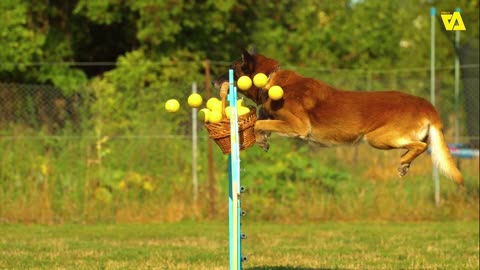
point(261, 137)
point(263, 128)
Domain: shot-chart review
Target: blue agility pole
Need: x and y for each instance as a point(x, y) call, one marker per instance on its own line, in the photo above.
point(234, 181)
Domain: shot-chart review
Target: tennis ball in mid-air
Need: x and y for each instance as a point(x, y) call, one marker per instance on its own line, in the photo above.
point(215, 117)
point(244, 83)
point(260, 80)
point(195, 100)
point(172, 105)
point(275, 92)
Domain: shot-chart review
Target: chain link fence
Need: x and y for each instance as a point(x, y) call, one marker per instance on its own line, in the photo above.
point(44, 107)
point(39, 107)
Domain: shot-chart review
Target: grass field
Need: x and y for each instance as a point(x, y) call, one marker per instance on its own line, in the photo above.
point(189, 245)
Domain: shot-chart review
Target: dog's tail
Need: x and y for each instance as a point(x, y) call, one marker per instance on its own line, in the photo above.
point(441, 155)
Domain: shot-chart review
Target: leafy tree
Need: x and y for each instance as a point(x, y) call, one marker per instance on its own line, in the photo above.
point(21, 44)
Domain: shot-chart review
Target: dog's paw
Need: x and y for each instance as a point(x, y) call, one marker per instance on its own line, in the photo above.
point(403, 169)
point(264, 144)
point(262, 140)
point(266, 147)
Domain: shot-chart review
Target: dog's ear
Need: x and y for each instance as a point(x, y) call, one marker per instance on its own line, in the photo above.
point(245, 55)
point(248, 62)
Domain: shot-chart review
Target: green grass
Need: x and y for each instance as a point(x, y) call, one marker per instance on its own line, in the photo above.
point(190, 245)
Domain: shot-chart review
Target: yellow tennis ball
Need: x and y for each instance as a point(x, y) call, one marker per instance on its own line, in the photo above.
point(243, 110)
point(260, 80)
point(215, 117)
point(227, 111)
point(195, 100)
point(203, 115)
point(240, 109)
point(172, 105)
point(217, 106)
point(213, 102)
point(275, 92)
point(240, 102)
point(244, 83)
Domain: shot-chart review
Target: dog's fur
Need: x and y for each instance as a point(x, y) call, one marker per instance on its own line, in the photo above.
point(317, 112)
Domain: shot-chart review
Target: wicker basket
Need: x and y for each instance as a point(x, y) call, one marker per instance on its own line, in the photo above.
point(220, 132)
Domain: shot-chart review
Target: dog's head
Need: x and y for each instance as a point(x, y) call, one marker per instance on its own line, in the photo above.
point(249, 65)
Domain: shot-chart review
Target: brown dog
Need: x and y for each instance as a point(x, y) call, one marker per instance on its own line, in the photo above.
point(314, 111)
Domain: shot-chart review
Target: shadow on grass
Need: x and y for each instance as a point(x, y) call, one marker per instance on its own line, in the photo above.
point(288, 268)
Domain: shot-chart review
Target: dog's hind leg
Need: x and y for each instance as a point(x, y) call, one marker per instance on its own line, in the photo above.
point(414, 150)
point(383, 139)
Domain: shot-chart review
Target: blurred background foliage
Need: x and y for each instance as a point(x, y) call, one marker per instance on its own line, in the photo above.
point(94, 143)
point(330, 34)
